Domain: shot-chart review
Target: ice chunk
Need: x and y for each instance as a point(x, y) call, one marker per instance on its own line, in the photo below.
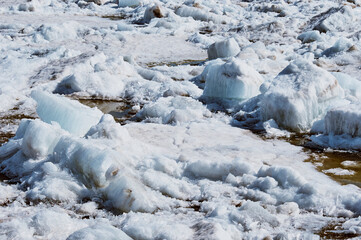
point(222, 49)
point(343, 44)
point(108, 128)
point(49, 222)
point(59, 32)
point(94, 166)
point(201, 14)
point(300, 94)
point(251, 212)
point(71, 115)
point(349, 84)
point(100, 76)
point(99, 231)
point(310, 36)
point(155, 11)
point(233, 79)
point(334, 20)
point(339, 171)
point(129, 3)
point(344, 120)
point(217, 170)
point(40, 139)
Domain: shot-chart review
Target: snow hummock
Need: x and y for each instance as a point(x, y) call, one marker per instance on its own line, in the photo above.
point(231, 79)
point(299, 95)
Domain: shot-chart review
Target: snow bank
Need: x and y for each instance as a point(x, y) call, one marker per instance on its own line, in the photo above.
point(222, 49)
point(70, 115)
point(233, 79)
point(299, 95)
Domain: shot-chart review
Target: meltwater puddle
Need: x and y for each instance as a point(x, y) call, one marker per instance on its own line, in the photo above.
point(342, 166)
point(122, 110)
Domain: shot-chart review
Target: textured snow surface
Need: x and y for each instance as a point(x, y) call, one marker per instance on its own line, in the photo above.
point(184, 78)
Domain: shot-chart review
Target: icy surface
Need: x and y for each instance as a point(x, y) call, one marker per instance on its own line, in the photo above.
point(180, 166)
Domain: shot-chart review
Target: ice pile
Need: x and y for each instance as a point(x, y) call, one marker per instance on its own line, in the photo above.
point(231, 79)
point(80, 166)
point(143, 168)
point(299, 95)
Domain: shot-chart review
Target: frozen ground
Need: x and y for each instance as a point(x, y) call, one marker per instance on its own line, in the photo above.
point(185, 162)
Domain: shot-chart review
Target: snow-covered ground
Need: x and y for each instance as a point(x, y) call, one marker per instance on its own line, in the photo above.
point(190, 82)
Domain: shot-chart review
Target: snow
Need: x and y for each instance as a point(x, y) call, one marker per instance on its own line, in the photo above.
point(181, 165)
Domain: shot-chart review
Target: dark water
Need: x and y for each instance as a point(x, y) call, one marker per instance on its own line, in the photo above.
point(122, 110)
